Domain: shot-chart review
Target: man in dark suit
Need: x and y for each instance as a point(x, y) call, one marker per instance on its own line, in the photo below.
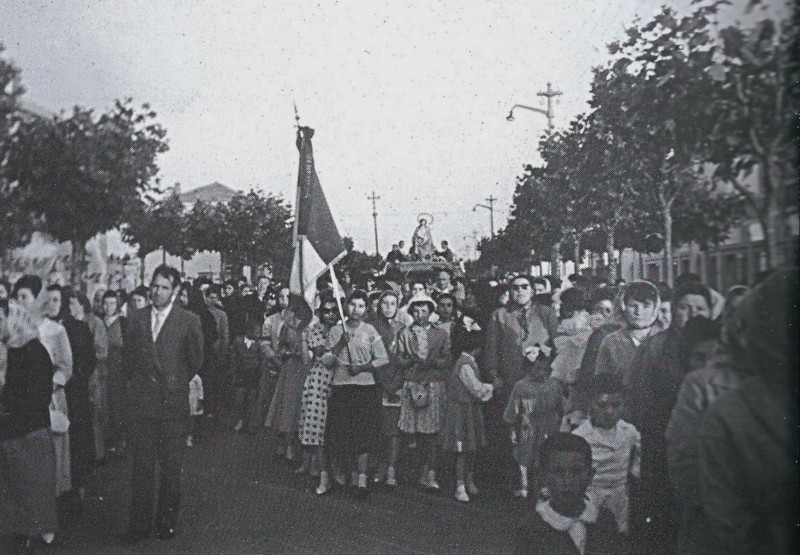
point(163, 351)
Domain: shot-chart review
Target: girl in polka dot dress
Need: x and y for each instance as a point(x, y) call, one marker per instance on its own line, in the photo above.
point(316, 390)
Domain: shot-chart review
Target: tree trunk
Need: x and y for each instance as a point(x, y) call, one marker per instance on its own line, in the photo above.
point(141, 268)
point(221, 267)
point(669, 273)
point(77, 264)
point(163, 256)
point(772, 219)
point(555, 260)
point(577, 253)
point(612, 266)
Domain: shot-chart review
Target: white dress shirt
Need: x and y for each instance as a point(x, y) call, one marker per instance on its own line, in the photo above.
point(157, 319)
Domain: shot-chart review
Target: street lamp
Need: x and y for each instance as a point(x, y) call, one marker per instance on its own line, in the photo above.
point(548, 113)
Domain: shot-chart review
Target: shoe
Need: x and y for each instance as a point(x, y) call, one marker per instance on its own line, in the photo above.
point(324, 484)
point(522, 493)
point(340, 479)
point(166, 533)
point(461, 494)
point(189, 442)
point(380, 476)
point(391, 478)
point(239, 426)
point(302, 469)
point(472, 489)
point(428, 481)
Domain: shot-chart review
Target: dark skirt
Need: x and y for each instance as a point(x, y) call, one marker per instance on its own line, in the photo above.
point(354, 418)
point(28, 485)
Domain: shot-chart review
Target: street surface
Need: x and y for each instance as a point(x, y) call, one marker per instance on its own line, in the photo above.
point(240, 498)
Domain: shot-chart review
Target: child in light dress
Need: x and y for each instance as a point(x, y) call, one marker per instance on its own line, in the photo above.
point(463, 430)
point(533, 412)
point(195, 408)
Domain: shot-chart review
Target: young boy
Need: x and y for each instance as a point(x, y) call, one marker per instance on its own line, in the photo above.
point(247, 362)
point(565, 522)
point(616, 448)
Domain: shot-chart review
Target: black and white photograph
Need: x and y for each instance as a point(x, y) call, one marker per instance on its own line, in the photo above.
point(399, 277)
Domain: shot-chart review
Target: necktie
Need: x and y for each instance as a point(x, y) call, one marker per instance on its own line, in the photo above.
point(156, 325)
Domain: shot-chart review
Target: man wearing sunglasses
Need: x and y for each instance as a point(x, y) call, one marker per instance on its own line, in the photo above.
point(512, 328)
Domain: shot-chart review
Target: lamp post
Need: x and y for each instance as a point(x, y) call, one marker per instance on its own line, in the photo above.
point(490, 207)
point(549, 94)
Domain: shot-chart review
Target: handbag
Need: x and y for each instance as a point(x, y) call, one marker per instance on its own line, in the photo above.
point(419, 394)
point(59, 423)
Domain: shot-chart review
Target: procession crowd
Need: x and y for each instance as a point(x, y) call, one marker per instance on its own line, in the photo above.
point(631, 417)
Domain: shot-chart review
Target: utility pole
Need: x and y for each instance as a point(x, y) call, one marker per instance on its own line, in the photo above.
point(549, 94)
point(374, 198)
point(490, 207)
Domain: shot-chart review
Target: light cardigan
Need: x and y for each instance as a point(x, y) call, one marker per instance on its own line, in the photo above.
point(365, 347)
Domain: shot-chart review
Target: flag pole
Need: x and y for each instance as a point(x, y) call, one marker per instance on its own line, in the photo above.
point(338, 297)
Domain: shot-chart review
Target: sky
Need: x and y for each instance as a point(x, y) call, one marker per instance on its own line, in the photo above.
point(408, 99)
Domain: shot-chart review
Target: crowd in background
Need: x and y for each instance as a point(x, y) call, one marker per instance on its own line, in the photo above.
point(635, 417)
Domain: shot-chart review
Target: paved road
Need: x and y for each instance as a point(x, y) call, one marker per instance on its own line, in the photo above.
point(239, 498)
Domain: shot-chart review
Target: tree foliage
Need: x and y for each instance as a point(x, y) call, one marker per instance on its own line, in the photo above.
point(79, 173)
point(257, 229)
point(675, 99)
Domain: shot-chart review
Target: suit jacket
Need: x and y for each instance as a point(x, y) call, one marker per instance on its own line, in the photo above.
point(506, 339)
point(160, 371)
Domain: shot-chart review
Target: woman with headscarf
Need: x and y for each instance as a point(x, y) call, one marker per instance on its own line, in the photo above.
point(27, 455)
point(284, 410)
point(81, 437)
point(748, 440)
point(391, 382)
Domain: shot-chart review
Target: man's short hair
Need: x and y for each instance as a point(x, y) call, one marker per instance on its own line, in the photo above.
point(564, 442)
point(642, 291)
point(140, 291)
point(168, 272)
point(28, 281)
point(692, 288)
point(688, 277)
point(445, 243)
point(605, 384)
point(540, 280)
point(111, 294)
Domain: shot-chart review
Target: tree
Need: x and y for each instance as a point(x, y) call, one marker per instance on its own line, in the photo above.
point(15, 224)
point(79, 173)
point(205, 229)
point(754, 116)
point(258, 230)
point(156, 224)
point(654, 95)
